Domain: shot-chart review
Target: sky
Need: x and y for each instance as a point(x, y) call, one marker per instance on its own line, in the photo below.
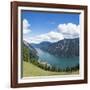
point(46, 26)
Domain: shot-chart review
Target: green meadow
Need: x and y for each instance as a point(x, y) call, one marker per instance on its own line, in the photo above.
point(32, 70)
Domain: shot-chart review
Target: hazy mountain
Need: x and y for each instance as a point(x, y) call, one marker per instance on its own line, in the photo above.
point(43, 45)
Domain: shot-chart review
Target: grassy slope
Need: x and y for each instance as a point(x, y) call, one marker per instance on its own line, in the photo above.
point(32, 70)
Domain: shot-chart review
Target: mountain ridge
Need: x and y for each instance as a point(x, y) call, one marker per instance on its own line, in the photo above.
point(62, 48)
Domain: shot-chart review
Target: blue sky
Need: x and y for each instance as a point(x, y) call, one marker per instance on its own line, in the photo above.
point(40, 23)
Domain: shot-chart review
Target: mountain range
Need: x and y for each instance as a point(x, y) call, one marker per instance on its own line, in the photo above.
point(62, 48)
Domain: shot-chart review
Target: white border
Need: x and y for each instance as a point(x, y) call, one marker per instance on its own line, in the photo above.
point(58, 77)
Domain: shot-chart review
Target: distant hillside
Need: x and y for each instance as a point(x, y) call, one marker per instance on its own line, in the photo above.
point(62, 48)
point(43, 45)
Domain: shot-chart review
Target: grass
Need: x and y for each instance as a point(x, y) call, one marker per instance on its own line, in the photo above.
point(31, 70)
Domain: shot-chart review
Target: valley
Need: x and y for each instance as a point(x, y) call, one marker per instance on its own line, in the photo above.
point(61, 57)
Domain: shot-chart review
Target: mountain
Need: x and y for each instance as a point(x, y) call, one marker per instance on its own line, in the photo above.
point(65, 48)
point(29, 52)
point(62, 48)
point(43, 45)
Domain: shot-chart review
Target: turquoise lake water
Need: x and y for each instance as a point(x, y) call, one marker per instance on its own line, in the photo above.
point(57, 61)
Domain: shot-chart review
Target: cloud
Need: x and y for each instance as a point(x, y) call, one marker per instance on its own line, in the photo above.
point(26, 26)
point(51, 37)
point(55, 36)
point(69, 30)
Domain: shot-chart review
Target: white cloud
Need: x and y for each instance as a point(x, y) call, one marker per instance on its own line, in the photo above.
point(69, 30)
point(55, 36)
point(26, 26)
point(51, 37)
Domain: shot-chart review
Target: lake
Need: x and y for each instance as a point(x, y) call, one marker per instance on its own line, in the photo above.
point(57, 61)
